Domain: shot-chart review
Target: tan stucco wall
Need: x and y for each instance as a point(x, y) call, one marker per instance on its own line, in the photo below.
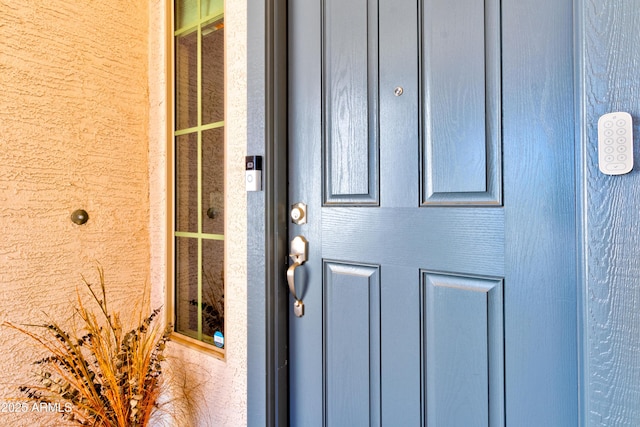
point(83, 125)
point(74, 119)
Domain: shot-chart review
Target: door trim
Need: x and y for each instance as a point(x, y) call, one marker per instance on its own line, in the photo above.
point(267, 369)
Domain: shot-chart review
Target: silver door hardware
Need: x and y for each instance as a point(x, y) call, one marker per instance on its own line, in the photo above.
point(299, 249)
point(298, 254)
point(398, 91)
point(299, 213)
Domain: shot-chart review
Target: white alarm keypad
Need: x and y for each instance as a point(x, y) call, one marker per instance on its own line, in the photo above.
point(615, 143)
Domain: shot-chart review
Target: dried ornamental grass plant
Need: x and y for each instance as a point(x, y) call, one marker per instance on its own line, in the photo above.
point(101, 373)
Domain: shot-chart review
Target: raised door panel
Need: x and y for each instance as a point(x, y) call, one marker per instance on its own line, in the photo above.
point(350, 94)
point(464, 350)
point(351, 344)
point(461, 161)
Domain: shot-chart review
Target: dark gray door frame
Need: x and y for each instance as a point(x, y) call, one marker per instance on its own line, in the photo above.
point(267, 333)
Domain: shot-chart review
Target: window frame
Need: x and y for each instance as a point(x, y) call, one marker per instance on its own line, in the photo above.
point(172, 135)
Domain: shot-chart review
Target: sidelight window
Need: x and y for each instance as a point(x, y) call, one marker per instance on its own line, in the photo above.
point(198, 143)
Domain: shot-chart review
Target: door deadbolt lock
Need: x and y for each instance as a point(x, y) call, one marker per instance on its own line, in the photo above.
point(299, 213)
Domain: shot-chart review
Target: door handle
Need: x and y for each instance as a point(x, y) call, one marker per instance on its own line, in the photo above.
point(299, 250)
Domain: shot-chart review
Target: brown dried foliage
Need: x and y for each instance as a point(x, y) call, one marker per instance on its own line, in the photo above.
point(110, 375)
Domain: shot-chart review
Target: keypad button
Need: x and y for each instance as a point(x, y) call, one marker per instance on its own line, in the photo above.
point(616, 166)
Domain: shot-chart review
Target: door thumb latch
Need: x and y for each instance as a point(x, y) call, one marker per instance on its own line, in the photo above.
point(298, 254)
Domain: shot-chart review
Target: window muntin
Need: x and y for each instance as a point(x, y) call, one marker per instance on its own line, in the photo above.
point(198, 294)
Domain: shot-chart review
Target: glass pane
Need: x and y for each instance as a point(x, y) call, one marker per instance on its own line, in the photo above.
point(186, 13)
point(211, 8)
point(187, 286)
point(213, 289)
point(213, 72)
point(213, 181)
point(187, 182)
point(187, 80)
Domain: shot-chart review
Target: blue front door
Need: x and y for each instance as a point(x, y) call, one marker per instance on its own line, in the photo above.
point(432, 143)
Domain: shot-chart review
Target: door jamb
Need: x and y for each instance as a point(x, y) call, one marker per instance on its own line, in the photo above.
point(267, 212)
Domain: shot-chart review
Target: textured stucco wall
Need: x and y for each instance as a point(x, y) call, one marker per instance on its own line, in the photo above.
point(218, 387)
point(83, 117)
point(74, 120)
